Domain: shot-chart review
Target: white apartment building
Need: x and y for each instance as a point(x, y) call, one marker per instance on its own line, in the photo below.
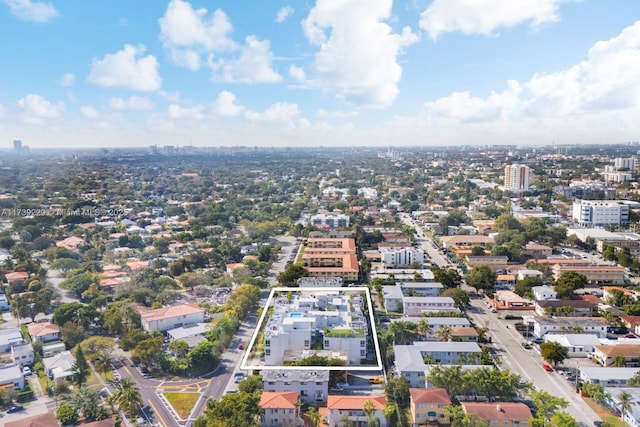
point(330, 220)
point(543, 293)
point(423, 289)
point(598, 213)
point(401, 257)
point(625, 163)
point(611, 174)
point(585, 325)
point(415, 306)
point(516, 178)
point(330, 320)
point(312, 386)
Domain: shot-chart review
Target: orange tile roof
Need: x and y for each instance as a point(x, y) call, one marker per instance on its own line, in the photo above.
point(624, 350)
point(18, 275)
point(430, 395)
point(168, 312)
point(354, 402)
point(498, 411)
point(47, 419)
point(278, 400)
point(461, 331)
point(41, 329)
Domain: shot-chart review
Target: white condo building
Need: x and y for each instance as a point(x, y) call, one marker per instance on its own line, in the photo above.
point(327, 323)
point(401, 257)
point(330, 220)
point(516, 178)
point(598, 213)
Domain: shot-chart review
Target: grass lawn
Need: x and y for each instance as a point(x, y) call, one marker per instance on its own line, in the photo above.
point(612, 421)
point(609, 418)
point(183, 403)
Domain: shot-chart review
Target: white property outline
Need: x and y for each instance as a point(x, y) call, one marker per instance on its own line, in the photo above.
point(358, 289)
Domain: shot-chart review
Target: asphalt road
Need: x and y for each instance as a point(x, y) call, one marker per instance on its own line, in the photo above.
point(507, 344)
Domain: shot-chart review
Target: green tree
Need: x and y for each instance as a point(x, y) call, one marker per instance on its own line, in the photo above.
point(444, 333)
point(449, 277)
point(460, 297)
point(66, 414)
point(87, 402)
point(289, 277)
point(568, 283)
point(128, 397)
point(80, 368)
point(369, 411)
point(624, 403)
point(397, 390)
point(147, 350)
point(523, 287)
point(546, 404)
point(313, 416)
point(103, 362)
point(403, 331)
point(251, 384)
point(424, 328)
point(563, 419)
point(553, 352)
point(238, 409)
point(481, 277)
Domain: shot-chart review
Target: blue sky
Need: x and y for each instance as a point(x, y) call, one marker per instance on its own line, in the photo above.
point(319, 72)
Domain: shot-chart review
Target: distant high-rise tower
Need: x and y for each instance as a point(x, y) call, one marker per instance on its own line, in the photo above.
point(516, 178)
point(17, 145)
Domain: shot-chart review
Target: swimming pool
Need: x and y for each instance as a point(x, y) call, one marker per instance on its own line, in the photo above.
point(295, 314)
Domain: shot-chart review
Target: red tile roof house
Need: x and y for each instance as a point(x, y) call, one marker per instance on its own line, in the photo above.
point(427, 405)
point(43, 332)
point(173, 316)
point(504, 414)
point(280, 409)
point(352, 407)
point(18, 277)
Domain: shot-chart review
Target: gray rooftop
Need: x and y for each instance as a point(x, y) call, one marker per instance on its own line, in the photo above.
point(302, 376)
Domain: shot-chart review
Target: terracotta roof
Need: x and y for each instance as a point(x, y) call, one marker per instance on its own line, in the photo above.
point(506, 277)
point(430, 395)
point(624, 350)
point(41, 329)
point(631, 320)
point(169, 311)
point(278, 400)
point(461, 331)
point(354, 402)
point(18, 275)
point(42, 420)
point(70, 242)
point(498, 411)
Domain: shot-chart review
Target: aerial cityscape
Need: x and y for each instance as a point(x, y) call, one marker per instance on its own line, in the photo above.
point(342, 213)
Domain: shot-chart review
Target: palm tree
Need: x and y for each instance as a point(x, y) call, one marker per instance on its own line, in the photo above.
point(424, 327)
point(444, 333)
point(619, 362)
point(313, 416)
point(369, 410)
point(128, 396)
point(624, 403)
point(112, 401)
point(103, 362)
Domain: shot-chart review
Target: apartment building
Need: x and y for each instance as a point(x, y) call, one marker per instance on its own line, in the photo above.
point(331, 320)
point(415, 306)
point(170, 317)
point(312, 386)
point(598, 213)
point(427, 406)
point(352, 407)
point(325, 257)
point(506, 414)
point(607, 355)
point(280, 409)
point(330, 220)
point(398, 257)
point(516, 178)
point(593, 273)
point(586, 325)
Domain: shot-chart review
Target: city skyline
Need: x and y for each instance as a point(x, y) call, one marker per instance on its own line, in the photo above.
point(328, 73)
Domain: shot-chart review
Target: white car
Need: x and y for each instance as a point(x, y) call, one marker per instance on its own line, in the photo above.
point(26, 371)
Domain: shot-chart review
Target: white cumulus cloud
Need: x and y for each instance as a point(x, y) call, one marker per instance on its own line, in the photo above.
point(254, 65)
point(68, 79)
point(190, 34)
point(485, 16)
point(89, 112)
point(598, 98)
point(297, 73)
point(131, 103)
point(126, 69)
point(283, 14)
point(279, 112)
point(36, 108)
point(34, 11)
point(186, 113)
point(358, 52)
point(225, 105)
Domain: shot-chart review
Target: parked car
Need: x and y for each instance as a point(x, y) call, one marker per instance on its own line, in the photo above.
point(241, 346)
point(26, 371)
point(526, 345)
point(629, 336)
point(238, 377)
point(342, 385)
point(547, 367)
point(15, 408)
point(376, 380)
